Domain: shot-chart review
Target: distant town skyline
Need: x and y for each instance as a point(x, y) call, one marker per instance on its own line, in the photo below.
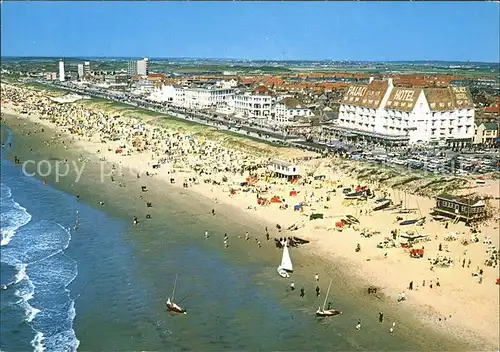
point(279, 31)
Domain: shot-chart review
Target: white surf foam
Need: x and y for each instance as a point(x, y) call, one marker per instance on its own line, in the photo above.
point(12, 217)
point(39, 252)
point(21, 273)
point(37, 342)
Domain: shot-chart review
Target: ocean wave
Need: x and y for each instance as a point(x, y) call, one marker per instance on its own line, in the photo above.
point(44, 271)
point(37, 342)
point(8, 140)
point(12, 217)
point(35, 242)
point(5, 192)
point(25, 290)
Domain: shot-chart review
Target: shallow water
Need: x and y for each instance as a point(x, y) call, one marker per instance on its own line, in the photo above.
point(113, 278)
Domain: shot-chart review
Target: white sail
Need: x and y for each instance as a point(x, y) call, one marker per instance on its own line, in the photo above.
point(286, 262)
point(327, 294)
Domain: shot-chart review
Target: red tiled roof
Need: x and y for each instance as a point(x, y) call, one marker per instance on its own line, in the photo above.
point(493, 109)
point(262, 90)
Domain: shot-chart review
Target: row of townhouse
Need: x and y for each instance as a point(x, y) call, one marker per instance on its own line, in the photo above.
point(407, 115)
point(260, 105)
point(486, 133)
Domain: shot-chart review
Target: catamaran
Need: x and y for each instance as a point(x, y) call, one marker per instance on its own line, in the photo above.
point(327, 312)
point(171, 306)
point(286, 263)
point(381, 204)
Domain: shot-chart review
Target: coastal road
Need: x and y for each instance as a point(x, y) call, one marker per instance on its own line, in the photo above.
point(197, 117)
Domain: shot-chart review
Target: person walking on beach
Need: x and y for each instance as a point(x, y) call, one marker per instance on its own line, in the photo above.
point(317, 291)
point(206, 234)
point(302, 292)
point(358, 325)
point(213, 212)
point(410, 286)
point(380, 317)
point(247, 236)
point(292, 286)
point(316, 277)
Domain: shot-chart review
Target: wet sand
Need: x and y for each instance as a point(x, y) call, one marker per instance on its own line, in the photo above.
point(456, 296)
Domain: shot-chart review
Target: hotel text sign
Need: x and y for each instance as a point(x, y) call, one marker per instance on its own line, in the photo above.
point(460, 93)
point(356, 91)
point(404, 95)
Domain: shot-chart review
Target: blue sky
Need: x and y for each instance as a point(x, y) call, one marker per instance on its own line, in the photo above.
point(467, 31)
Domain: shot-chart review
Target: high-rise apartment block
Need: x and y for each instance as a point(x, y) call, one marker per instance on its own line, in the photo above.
point(61, 71)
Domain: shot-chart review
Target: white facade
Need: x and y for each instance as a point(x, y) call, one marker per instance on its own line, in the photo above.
point(142, 67)
point(80, 71)
point(200, 98)
point(254, 105)
point(284, 168)
point(194, 98)
point(164, 94)
point(416, 115)
point(288, 109)
point(232, 83)
point(86, 69)
point(61, 71)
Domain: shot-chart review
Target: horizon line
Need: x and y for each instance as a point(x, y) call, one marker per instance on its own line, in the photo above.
point(250, 60)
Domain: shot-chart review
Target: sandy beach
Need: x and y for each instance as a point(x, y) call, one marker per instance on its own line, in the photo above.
point(453, 298)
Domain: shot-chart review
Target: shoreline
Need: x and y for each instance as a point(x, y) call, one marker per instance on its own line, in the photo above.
point(390, 273)
point(349, 294)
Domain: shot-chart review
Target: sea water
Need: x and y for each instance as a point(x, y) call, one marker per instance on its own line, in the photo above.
point(34, 267)
point(103, 285)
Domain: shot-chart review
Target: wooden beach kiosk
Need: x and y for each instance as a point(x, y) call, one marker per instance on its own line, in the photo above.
point(284, 169)
point(468, 209)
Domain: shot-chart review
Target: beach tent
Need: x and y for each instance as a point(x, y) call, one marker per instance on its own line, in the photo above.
point(293, 193)
point(276, 199)
point(417, 252)
point(297, 207)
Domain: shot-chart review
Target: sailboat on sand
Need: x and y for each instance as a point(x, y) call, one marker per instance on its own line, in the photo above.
point(322, 312)
point(286, 263)
point(171, 306)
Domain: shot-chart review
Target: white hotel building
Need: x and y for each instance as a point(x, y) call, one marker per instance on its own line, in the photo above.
point(258, 104)
point(62, 74)
point(287, 110)
point(194, 98)
point(399, 115)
